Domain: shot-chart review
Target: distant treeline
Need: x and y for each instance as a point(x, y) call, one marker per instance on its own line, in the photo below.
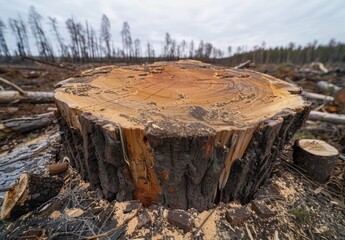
point(85, 45)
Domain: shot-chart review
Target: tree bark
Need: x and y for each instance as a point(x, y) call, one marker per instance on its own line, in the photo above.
point(184, 134)
point(31, 191)
point(27, 124)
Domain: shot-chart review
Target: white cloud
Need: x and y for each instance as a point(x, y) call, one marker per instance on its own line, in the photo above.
point(220, 22)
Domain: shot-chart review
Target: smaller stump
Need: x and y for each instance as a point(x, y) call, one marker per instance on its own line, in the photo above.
point(31, 192)
point(316, 157)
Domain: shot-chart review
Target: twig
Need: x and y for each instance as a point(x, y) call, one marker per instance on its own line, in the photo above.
point(319, 107)
point(125, 157)
point(248, 231)
point(113, 229)
point(106, 220)
point(16, 87)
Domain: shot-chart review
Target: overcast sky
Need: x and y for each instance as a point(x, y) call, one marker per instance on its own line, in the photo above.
point(221, 22)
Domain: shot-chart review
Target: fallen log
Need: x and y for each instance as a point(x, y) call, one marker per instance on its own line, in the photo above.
point(31, 191)
point(30, 97)
point(185, 134)
point(317, 96)
point(27, 124)
point(327, 117)
point(316, 157)
point(48, 63)
point(243, 65)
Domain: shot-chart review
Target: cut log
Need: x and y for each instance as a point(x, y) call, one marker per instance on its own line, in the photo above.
point(316, 157)
point(57, 168)
point(31, 191)
point(327, 117)
point(30, 97)
point(185, 134)
point(27, 124)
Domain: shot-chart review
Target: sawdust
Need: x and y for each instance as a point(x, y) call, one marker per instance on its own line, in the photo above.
point(55, 215)
point(209, 228)
point(131, 226)
point(287, 192)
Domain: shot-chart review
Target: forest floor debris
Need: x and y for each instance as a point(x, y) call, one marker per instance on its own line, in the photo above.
point(296, 206)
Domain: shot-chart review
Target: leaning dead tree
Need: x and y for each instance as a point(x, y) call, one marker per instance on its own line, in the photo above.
point(185, 134)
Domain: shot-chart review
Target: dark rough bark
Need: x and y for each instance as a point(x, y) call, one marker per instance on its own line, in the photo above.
point(248, 173)
point(187, 172)
point(97, 155)
point(27, 124)
point(39, 189)
point(316, 166)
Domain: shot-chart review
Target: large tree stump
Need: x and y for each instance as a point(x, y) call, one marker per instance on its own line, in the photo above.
point(185, 134)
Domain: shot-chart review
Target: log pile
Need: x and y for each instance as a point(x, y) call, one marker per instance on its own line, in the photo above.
point(184, 134)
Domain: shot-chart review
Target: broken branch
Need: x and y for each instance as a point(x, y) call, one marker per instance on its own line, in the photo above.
point(243, 65)
point(48, 63)
point(19, 89)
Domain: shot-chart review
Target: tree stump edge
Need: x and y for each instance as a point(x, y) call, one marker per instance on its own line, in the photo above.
point(200, 183)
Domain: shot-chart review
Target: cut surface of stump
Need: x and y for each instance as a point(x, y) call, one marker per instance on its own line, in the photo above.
point(316, 157)
point(185, 134)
